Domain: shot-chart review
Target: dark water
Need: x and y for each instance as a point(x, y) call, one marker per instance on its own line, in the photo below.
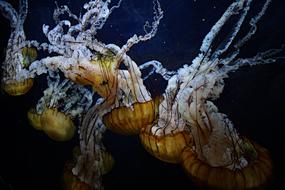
point(253, 98)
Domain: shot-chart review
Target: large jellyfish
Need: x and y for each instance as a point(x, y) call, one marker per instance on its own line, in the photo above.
point(218, 152)
point(182, 126)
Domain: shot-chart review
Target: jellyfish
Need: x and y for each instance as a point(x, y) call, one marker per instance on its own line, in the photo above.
point(128, 105)
point(220, 157)
point(86, 61)
point(15, 80)
point(62, 103)
point(182, 126)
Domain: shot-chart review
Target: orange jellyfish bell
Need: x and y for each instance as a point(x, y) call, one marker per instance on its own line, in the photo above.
point(17, 88)
point(100, 73)
point(20, 87)
point(129, 120)
point(255, 175)
point(34, 119)
point(168, 136)
point(219, 157)
point(108, 162)
point(57, 125)
point(165, 146)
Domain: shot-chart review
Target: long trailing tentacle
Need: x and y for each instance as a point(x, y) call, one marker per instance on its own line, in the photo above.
point(9, 12)
point(23, 11)
point(149, 34)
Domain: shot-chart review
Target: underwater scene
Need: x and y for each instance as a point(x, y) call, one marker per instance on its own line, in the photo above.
point(150, 94)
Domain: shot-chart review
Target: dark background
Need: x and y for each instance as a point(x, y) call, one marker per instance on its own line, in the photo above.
point(253, 97)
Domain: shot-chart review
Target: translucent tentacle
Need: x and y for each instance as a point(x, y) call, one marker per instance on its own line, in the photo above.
point(231, 10)
point(235, 30)
point(253, 22)
point(158, 68)
point(23, 11)
point(154, 26)
point(9, 12)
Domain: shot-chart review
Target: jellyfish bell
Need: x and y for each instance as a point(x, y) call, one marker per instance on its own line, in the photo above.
point(100, 73)
point(254, 175)
point(57, 125)
point(108, 162)
point(219, 157)
point(34, 119)
point(165, 145)
point(168, 136)
point(17, 88)
point(130, 120)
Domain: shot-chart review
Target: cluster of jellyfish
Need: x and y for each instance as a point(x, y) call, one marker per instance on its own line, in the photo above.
point(181, 126)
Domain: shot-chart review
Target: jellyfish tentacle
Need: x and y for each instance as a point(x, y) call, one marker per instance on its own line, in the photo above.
point(136, 39)
point(58, 11)
point(234, 32)
point(23, 11)
point(231, 10)
point(158, 68)
point(87, 169)
point(137, 89)
point(9, 12)
point(253, 22)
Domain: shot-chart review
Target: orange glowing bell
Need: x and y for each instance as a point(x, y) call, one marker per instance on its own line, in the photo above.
point(99, 73)
point(57, 125)
point(34, 119)
point(129, 121)
point(254, 175)
point(166, 147)
point(17, 88)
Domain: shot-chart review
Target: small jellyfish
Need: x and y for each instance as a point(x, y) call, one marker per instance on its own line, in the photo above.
point(17, 88)
point(56, 110)
point(16, 80)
